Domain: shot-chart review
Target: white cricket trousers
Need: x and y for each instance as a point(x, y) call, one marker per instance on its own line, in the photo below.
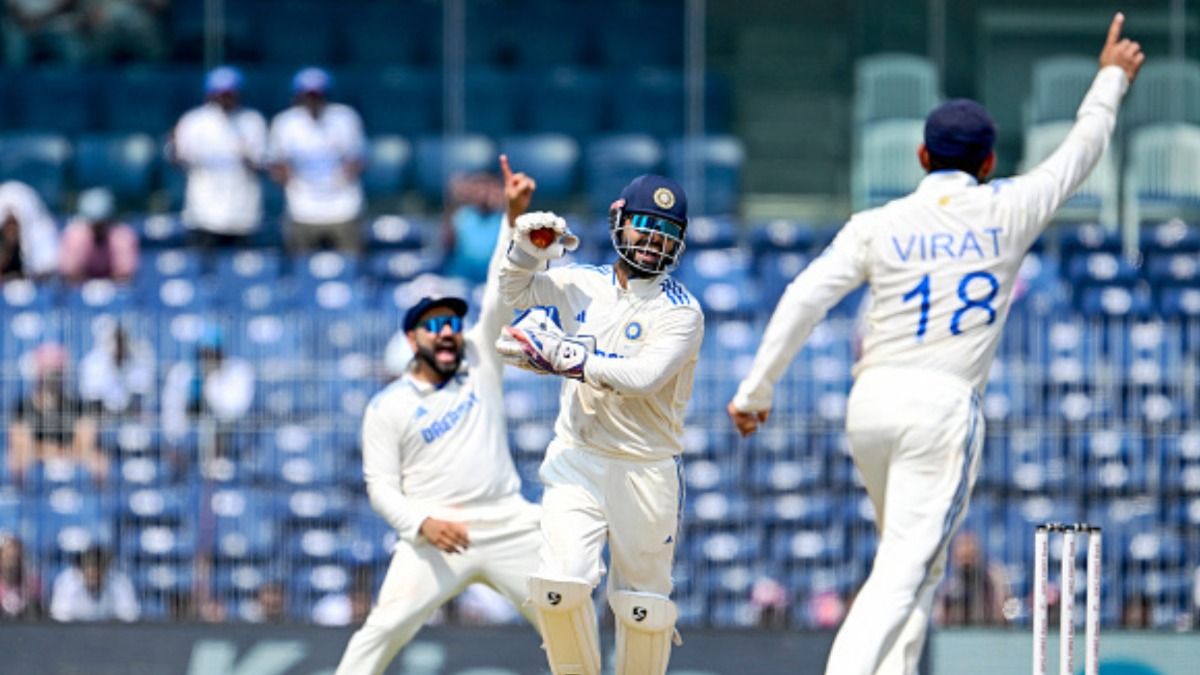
point(633, 504)
point(422, 578)
point(916, 437)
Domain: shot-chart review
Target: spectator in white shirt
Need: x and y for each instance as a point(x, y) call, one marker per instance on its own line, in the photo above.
point(28, 234)
point(221, 145)
point(118, 371)
point(316, 153)
point(93, 591)
point(213, 387)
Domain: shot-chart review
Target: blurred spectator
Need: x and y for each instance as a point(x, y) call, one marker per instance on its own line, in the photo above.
point(20, 587)
point(43, 30)
point(118, 373)
point(51, 424)
point(472, 221)
point(975, 591)
point(268, 606)
point(93, 590)
point(95, 245)
point(122, 30)
point(826, 609)
point(770, 599)
point(212, 388)
point(221, 145)
point(28, 235)
point(1137, 611)
point(316, 152)
point(351, 607)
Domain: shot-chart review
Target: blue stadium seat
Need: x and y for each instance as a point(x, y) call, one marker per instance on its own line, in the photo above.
point(775, 272)
point(716, 508)
point(550, 159)
point(18, 295)
point(1114, 302)
point(146, 100)
point(149, 505)
point(67, 520)
point(390, 33)
point(723, 545)
point(1089, 239)
point(781, 236)
point(386, 173)
point(313, 546)
point(37, 159)
point(565, 100)
point(250, 265)
point(710, 232)
point(710, 169)
point(490, 108)
point(808, 546)
point(396, 232)
point(439, 159)
point(123, 163)
point(314, 268)
point(318, 508)
point(662, 102)
point(564, 33)
point(58, 101)
point(1172, 236)
point(811, 508)
point(610, 162)
point(786, 476)
point(1100, 269)
point(246, 523)
point(1173, 269)
point(1180, 303)
point(397, 101)
point(722, 279)
point(303, 35)
point(641, 34)
point(159, 231)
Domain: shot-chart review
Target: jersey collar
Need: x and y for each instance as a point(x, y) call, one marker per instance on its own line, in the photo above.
point(947, 179)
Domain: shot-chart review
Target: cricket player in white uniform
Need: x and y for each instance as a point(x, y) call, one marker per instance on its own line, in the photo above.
point(438, 469)
point(627, 358)
point(940, 264)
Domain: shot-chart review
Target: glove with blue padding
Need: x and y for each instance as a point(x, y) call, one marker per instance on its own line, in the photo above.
point(540, 236)
point(535, 341)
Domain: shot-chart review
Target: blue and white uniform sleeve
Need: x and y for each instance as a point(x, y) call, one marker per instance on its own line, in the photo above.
point(382, 443)
point(675, 339)
point(494, 313)
point(523, 286)
point(839, 270)
point(1034, 197)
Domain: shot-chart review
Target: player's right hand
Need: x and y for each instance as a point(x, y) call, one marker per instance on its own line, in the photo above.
point(1121, 52)
point(446, 535)
point(518, 190)
point(746, 422)
point(563, 239)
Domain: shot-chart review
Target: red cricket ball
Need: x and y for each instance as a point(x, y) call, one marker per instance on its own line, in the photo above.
point(542, 237)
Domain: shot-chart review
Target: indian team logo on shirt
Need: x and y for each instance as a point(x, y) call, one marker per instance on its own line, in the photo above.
point(633, 330)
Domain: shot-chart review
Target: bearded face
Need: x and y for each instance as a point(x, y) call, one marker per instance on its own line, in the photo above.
point(437, 342)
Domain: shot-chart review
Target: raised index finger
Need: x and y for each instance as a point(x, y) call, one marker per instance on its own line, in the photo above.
point(1114, 29)
point(505, 170)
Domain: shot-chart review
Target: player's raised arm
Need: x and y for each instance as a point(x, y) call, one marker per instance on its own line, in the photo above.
point(494, 313)
point(1035, 196)
point(536, 239)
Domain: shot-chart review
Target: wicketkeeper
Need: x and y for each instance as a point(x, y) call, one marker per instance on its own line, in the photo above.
point(625, 339)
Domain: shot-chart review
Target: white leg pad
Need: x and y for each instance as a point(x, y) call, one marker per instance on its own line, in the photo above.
point(645, 631)
point(567, 620)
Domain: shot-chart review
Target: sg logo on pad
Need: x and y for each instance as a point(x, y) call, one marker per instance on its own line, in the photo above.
point(553, 597)
point(639, 614)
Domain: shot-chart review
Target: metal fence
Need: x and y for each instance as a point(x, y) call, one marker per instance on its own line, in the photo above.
point(262, 516)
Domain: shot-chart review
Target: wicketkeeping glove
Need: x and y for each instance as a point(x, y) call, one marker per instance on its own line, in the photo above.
point(527, 238)
point(536, 342)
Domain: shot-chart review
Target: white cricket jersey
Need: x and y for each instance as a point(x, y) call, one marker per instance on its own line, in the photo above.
point(637, 385)
point(442, 451)
point(319, 192)
point(223, 193)
point(940, 262)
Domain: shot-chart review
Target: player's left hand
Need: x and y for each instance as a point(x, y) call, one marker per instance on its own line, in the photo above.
point(560, 239)
point(747, 422)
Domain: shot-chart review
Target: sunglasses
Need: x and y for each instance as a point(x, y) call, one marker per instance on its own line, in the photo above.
point(648, 223)
point(437, 323)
